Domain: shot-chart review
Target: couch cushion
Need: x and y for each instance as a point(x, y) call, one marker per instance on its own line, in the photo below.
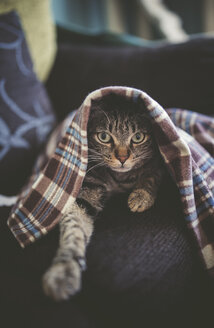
point(26, 115)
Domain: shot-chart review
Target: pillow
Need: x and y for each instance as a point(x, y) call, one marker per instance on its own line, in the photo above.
point(26, 115)
point(39, 29)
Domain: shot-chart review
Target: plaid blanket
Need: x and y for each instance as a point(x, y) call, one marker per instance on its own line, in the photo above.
point(186, 143)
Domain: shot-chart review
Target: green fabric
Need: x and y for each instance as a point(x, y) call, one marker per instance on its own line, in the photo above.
point(35, 16)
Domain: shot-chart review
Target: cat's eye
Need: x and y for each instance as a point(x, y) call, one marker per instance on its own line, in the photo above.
point(138, 137)
point(104, 137)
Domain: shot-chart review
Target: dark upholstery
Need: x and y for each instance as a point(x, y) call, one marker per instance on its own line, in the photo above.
point(26, 115)
point(143, 269)
point(179, 75)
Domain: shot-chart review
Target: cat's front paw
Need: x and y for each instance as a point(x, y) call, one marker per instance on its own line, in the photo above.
point(140, 200)
point(62, 280)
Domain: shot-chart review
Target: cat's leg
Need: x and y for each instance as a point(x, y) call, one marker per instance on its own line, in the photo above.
point(63, 278)
point(144, 195)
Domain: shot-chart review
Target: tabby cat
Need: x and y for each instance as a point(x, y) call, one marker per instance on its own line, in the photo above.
point(123, 157)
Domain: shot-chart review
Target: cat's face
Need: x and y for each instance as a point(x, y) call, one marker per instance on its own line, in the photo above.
point(119, 135)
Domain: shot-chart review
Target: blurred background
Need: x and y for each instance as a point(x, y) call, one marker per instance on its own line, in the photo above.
point(171, 20)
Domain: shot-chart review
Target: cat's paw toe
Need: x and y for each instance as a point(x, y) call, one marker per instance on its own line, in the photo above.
point(140, 200)
point(62, 280)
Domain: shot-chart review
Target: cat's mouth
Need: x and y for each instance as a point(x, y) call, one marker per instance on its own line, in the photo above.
point(117, 166)
point(121, 169)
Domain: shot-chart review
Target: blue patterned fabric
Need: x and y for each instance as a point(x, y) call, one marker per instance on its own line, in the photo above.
point(26, 115)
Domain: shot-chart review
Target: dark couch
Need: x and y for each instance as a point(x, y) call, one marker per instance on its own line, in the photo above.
point(143, 269)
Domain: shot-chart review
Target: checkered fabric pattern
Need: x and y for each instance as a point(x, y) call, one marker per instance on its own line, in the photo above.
point(186, 143)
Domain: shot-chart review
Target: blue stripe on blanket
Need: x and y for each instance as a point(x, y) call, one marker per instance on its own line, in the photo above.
point(76, 135)
point(191, 217)
point(28, 225)
point(156, 112)
point(206, 204)
point(186, 190)
point(187, 122)
point(69, 157)
point(197, 179)
point(205, 166)
point(43, 217)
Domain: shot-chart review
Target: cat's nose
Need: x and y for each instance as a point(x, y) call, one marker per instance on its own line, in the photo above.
point(122, 154)
point(122, 159)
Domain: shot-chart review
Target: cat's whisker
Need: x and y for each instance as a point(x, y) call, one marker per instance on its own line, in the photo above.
point(93, 150)
point(94, 158)
point(96, 165)
point(94, 155)
point(93, 162)
point(143, 157)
